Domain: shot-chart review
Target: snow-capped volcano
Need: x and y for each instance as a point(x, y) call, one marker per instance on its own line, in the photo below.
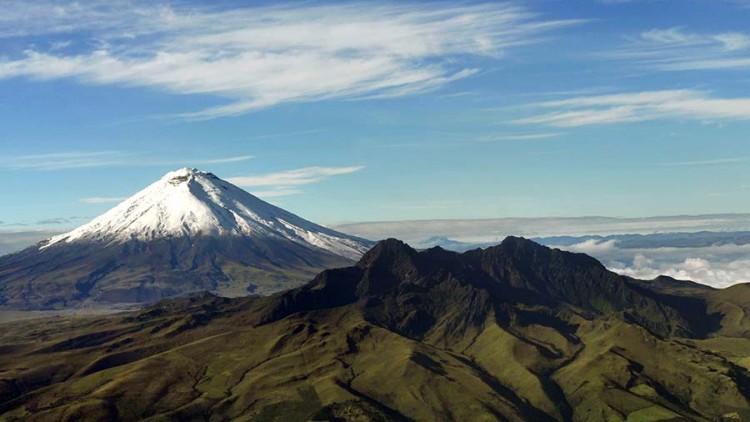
point(188, 231)
point(190, 202)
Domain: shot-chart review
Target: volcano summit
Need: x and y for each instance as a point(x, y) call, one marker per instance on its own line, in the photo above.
point(188, 231)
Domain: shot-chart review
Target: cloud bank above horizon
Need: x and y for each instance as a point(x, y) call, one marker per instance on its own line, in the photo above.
point(709, 249)
point(720, 265)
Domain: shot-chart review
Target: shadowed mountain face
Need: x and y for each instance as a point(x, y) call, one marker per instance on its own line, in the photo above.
point(495, 281)
point(514, 332)
point(189, 231)
point(135, 271)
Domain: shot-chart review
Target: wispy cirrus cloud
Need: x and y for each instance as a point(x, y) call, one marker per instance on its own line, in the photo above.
point(64, 160)
point(517, 137)
point(109, 18)
point(93, 159)
point(706, 162)
point(255, 57)
point(638, 107)
point(224, 160)
point(679, 49)
point(287, 182)
point(302, 176)
point(658, 39)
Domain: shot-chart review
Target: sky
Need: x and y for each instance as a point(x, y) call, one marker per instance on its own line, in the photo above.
point(362, 111)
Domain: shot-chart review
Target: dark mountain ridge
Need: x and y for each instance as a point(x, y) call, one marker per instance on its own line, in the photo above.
point(514, 332)
point(516, 272)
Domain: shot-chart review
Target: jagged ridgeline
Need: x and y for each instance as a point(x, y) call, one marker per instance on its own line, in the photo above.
point(515, 332)
point(189, 231)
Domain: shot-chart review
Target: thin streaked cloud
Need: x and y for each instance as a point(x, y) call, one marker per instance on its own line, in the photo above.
point(301, 176)
point(680, 49)
point(224, 160)
point(94, 159)
point(678, 37)
point(64, 160)
point(256, 57)
point(287, 182)
point(638, 107)
point(705, 162)
point(517, 137)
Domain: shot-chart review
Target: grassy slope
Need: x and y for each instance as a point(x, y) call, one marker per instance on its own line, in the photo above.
point(315, 365)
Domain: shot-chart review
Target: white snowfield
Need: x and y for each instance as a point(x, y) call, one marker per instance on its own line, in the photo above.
point(190, 202)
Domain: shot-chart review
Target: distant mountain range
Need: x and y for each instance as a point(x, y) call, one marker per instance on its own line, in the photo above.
point(624, 241)
point(189, 231)
point(494, 230)
point(516, 332)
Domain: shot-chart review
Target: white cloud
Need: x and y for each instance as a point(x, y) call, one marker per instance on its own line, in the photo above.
point(302, 176)
point(224, 160)
point(677, 37)
point(706, 162)
point(91, 159)
point(63, 160)
point(518, 137)
point(677, 49)
point(717, 265)
point(104, 18)
point(102, 200)
point(707, 64)
point(639, 106)
point(284, 183)
point(59, 45)
point(591, 246)
point(713, 258)
point(496, 229)
point(719, 273)
point(733, 41)
point(671, 36)
point(261, 56)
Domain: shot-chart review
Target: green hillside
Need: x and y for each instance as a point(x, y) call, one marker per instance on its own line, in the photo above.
point(517, 332)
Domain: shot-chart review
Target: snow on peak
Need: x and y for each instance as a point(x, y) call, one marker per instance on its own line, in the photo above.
point(189, 202)
point(184, 174)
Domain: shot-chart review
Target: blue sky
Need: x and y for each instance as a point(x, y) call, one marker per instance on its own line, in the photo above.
point(342, 111)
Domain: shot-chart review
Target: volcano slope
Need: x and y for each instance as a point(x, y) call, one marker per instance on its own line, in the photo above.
point(513, 332)
point(189, 231)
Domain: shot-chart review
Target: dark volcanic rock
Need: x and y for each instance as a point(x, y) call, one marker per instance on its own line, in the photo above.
point(413, 291)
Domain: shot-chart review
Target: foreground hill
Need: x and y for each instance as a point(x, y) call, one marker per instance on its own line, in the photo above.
point(513, 332)
point(189, 231)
